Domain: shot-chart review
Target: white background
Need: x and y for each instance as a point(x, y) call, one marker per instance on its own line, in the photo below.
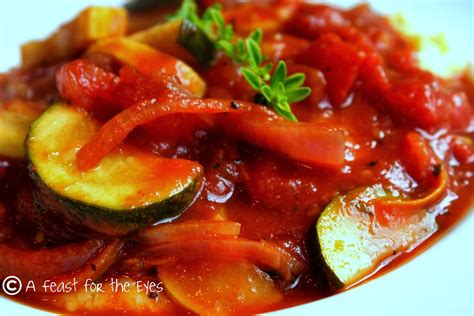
point(441, 280)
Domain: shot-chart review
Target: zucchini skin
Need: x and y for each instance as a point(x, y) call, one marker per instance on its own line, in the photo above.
point(84, 218)
point(329, 278)
point(351, 244)
point(196, 42)
point(138, 6)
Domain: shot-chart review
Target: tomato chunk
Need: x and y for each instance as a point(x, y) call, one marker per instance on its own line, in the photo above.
point(339, 62)
point(313, 21)
point(418, 157)
point(421, 100)
point(85, 85)
point(150, 62)
point(92, 88)
point(421, 163)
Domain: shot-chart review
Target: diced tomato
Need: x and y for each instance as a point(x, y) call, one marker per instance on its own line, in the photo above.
point(150, 62)
point(312, 21)
point(372, 70)
point(248, 17)
point(275, 184)
point(402, 59)
point(314, 80)
point(227, 81)
point(422, 164)
point(373, 75)
point(101, 92)
point(416, 101)
point(283, 46)
point(340, 63)
point(463, 149)
point(419, 98)
point(459, 110)
point(135, 87)
point(418, 158)
point(86, 86)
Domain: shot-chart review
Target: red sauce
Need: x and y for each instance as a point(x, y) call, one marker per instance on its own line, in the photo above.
point(365, 80)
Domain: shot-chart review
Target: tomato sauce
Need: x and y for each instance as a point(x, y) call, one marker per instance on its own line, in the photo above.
point(365, 80)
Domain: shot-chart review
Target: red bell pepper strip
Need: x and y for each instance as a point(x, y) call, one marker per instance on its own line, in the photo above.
point(116, 130)
point(311, 144)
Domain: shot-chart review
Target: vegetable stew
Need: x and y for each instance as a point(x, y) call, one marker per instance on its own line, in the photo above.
point(222, 158)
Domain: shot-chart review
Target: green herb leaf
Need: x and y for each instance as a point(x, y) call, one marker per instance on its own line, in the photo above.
point(251, 78)
point(255, 55)
point(228, 33)
point(279, 75)
point(257, 35)
point(187, 10)
point(297, 95)
point(284, 109)
point(240, 48)
point(267, 92)
point(280, 89)
point(265, 71)
point(226, 47)
point(214, 13)
point(294, 81)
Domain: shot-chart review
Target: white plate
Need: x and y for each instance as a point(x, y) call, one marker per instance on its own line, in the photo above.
point(438, 282)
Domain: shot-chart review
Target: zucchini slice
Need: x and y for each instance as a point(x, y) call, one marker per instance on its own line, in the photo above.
point(212, 287)
point(15, 119)
point(128, 190)
point(179, 38)
point(351, 244)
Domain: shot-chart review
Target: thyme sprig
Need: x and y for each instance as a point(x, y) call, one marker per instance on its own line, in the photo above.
point(278, 89)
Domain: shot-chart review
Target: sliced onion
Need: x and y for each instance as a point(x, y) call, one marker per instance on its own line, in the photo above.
point(237, 250)
point(188, 230)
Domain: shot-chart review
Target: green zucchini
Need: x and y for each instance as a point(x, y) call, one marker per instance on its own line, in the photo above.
point(128, 190)
point(180, 38)
point(136, 6)
point(196, 42)
point(351, 244)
